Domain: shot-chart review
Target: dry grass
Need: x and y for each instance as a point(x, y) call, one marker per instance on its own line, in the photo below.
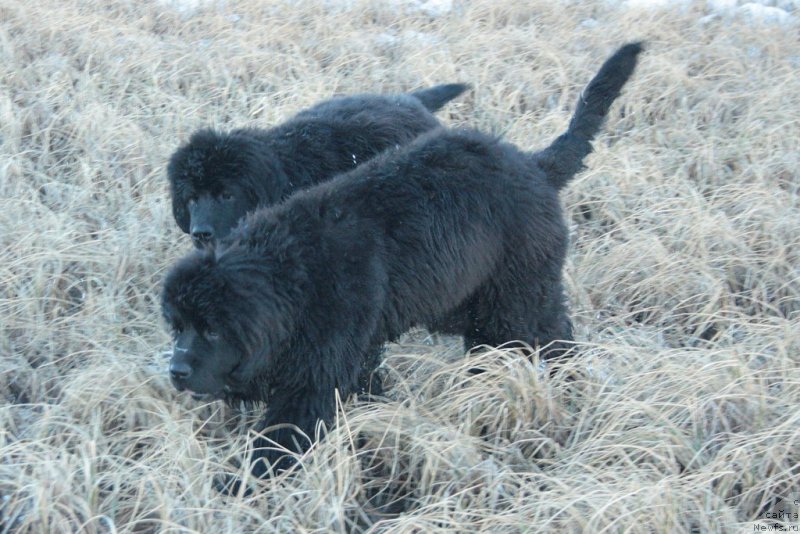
point(679, 415)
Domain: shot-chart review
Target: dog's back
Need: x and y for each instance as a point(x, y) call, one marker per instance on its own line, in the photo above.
point(430, 99)
point(339, 134)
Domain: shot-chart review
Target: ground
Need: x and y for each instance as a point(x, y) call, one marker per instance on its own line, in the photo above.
point(680, 412)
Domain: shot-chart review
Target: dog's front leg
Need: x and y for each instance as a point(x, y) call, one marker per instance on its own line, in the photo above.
point(288, 429)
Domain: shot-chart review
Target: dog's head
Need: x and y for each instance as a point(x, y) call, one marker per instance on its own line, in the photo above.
point(228, 320)
point(216, 178)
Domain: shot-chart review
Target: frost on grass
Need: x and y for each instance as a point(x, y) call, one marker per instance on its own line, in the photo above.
point(757, 12)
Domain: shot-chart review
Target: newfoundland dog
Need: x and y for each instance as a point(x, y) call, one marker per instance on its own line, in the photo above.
point(216, 178)
point(457, 231)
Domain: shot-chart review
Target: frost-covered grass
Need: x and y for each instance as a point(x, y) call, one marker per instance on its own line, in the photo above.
point(678, 414)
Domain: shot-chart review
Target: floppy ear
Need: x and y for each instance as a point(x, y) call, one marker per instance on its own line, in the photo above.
point(175, 169)
point(180, 212)
point(253, 367)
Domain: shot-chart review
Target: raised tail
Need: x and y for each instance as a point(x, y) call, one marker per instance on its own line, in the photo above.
point(563, 159)
point(435, 97)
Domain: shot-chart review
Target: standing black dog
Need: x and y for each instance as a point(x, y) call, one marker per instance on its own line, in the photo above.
point(457, 231)
point(216, 178)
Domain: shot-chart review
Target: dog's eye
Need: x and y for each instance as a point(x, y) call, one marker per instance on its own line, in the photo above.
point(226, 196)
point(212, 335)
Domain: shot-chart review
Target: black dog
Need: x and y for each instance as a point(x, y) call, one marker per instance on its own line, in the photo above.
point(457, 231)
point(216, 178)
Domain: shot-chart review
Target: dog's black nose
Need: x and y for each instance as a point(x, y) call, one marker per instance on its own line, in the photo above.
point(202, 234)
point(180, 370)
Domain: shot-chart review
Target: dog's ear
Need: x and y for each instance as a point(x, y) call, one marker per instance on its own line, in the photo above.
point(180, 212)
point(176, 172)
point(251, 368)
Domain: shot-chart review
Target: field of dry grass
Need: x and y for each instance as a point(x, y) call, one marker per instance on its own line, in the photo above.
point(680, 412)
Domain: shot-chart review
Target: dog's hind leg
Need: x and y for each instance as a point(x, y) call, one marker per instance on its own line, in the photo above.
point(521, 306)
point(370, 380)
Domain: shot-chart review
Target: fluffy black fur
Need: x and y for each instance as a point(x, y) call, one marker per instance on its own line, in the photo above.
point(216, 178)
point(458, 232)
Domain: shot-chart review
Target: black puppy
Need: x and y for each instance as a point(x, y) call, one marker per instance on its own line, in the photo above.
point(458, 232)
point(216, 178)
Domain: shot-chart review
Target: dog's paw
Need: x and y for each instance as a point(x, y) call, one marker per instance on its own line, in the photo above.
point(232, 485)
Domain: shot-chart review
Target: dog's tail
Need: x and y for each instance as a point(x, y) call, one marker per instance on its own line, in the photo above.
point(564, 157)
point(437, 96)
